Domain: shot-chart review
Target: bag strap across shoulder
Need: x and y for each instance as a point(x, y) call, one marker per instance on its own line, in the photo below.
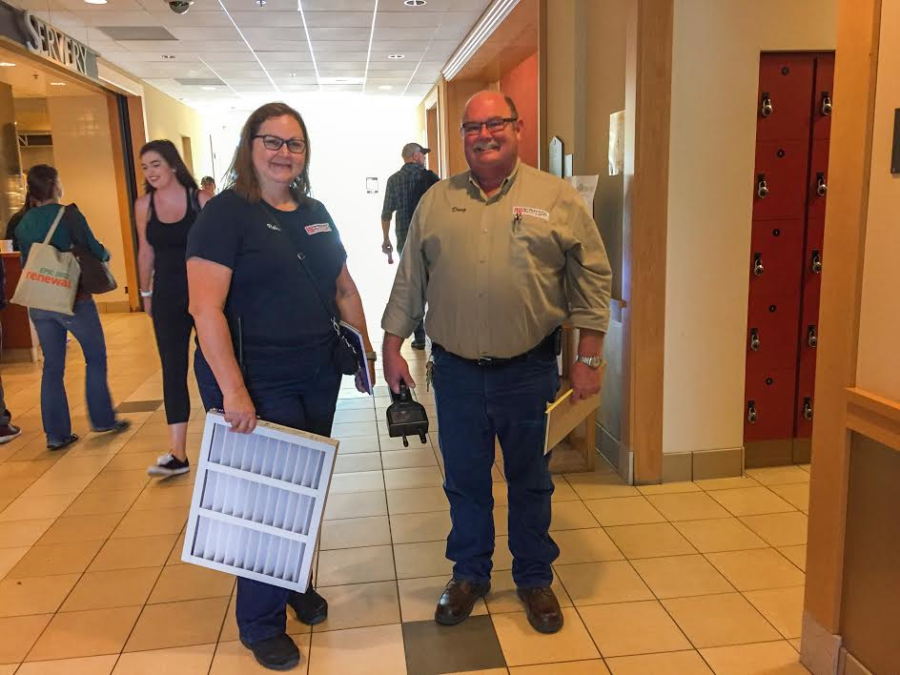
point(52, 231)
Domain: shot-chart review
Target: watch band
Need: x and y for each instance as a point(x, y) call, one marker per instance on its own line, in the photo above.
point(372, 356)
point(590, 361)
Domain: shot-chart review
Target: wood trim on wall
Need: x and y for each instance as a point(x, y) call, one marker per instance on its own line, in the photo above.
point(128, 244)
point(543, 140)
point(648, 103)
point(848, 171)
point(874, 416)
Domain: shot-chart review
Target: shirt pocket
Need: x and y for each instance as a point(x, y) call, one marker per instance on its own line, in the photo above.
point(535, 244)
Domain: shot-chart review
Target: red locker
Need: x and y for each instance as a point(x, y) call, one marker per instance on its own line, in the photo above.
point(776, 252)
point(779, 189)
point(769, 405)
point(818, 179)
point(772, 333)
point(822, 100)
point(806, 377)
point(785, 89)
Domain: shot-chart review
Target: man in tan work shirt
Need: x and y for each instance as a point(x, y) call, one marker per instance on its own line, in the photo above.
point(502, 255)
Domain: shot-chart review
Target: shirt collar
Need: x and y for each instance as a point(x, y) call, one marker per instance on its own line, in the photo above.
point(505, 186)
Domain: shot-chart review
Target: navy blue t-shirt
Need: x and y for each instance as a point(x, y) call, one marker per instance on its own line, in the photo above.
point(271, 292)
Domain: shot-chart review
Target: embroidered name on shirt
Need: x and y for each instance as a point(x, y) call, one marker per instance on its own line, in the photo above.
point(457, 209)
point(519, 211)
point(318, 228)
point(273, 227)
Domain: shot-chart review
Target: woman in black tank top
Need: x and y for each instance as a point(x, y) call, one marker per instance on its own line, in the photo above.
point(164, 217)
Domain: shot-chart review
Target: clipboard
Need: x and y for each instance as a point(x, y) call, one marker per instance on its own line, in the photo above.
point(354, 337)
point(563, 417)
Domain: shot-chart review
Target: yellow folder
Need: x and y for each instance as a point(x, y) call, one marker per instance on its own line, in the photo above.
point(563, 416)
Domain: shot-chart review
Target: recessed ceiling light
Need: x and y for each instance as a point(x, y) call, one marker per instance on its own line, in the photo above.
point(57, 84)
point(260, 3)
point(208, 88)
point(414, 3)
point(95, 2)
point(396, 56)
point(6, 64)
point(385, 87)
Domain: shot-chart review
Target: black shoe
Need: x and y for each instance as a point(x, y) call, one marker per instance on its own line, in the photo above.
point(277, 653)
point(458, 600)
point(310, 607)
point(9, 432)
point(71, 438)
point(118, 427)
point(420, 345)
point(542, 608)
point(169, 465)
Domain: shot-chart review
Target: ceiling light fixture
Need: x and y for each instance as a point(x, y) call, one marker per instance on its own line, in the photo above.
point(414, 3)
point(396, 56)
point(478, 36)
point(6, 64)
point(95, 2)
point(260, 3)
point(385, 87)
point(57, 84)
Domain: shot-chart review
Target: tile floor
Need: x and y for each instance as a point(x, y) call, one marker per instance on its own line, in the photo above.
point(678, 579)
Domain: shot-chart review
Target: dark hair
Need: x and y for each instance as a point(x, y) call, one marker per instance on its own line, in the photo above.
point(207, 179)
point(167, 150)
point(42, 180)
point(241, 176)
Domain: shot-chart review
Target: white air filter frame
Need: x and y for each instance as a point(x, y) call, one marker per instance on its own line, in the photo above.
point(258, 502)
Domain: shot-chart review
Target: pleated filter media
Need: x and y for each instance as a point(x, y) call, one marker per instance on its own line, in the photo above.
point(258, 502)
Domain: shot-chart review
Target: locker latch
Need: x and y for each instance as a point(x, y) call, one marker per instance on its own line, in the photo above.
point(754, 339)
point(812, 338)
point(751, 412)
point(807, 408)
point(821, 187)
point(815, 264)
point(765, 106)
point(762, 187)
point(825, 108)
point(758, 268)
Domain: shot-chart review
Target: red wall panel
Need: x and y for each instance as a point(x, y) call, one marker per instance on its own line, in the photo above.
point(521, 84)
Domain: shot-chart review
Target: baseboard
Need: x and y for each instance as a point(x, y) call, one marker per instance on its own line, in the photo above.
point(117, 307)
point(820, 651)
point(848, 665)
point(616, 454)
point(702, 465)
point(24, 355)
point(769, 453)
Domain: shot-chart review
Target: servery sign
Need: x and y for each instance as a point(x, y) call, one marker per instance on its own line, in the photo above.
point(51, 43)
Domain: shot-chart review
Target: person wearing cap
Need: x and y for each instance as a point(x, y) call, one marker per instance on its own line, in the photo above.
point(402, 194)
point(502, 254)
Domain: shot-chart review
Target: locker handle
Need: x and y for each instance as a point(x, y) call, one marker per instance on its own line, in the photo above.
point(762, 187)
point(754, 339)
point(812, 338)
point(807, 408)
point(758, 268)
point(765, 107)
point(821, 187)
point(815, 265)
point(826, 106)
point(751, 412)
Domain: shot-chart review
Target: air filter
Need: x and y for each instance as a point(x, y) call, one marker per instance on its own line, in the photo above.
point(258, 502)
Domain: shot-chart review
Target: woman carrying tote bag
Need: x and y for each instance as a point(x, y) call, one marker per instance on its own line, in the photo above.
point(41, 224)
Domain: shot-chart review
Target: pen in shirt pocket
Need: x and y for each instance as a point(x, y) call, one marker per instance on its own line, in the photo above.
point(517, 218)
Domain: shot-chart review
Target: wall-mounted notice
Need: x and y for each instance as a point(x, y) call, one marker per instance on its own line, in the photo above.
point(586, 186)
point(372, 185)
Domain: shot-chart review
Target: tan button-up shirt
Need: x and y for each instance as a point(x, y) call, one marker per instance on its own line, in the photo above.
point(500, 273)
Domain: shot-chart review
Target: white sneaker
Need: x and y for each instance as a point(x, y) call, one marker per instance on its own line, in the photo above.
point(169, 465)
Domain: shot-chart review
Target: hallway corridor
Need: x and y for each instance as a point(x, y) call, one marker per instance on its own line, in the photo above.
point(679, 579)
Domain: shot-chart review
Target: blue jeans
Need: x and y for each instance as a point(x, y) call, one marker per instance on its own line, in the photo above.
point(297, 389)
point(52, 328)
point(475, 404)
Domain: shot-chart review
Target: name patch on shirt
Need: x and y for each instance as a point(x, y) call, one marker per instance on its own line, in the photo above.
point(318, 228)
point(519, 211)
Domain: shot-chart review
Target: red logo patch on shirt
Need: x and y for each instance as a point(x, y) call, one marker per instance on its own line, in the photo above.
point(318, 228)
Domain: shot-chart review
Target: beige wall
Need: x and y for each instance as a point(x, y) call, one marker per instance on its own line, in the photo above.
point(84, 157)
point(168, 118)
point(877, 366)
point(713, 131)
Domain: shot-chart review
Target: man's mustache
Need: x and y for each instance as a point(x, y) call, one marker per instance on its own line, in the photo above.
point(486, 145)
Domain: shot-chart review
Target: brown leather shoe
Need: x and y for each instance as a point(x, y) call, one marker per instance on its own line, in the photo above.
point(457, 601)
point(542, 608)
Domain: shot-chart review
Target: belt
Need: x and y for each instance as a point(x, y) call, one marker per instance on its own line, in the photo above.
point(549, 346)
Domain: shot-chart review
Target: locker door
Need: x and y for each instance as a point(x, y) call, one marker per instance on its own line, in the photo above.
point(775, 256)
point(779, 188)
point(823, 99)
point(769, 405)
point(806, 379)
point(818, 179)
point(772, 333)
point(813, 259)
point(786, 81)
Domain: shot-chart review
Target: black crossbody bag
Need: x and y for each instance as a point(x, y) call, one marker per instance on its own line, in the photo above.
point(346, 358)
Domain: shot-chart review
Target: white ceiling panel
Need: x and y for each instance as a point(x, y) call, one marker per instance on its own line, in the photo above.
point(338, 19)
point(266, 18)
point(338, 5)
point(326, 33)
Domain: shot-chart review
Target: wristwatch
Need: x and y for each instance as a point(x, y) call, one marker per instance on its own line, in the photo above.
point(372, 356)
point(590, 361)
